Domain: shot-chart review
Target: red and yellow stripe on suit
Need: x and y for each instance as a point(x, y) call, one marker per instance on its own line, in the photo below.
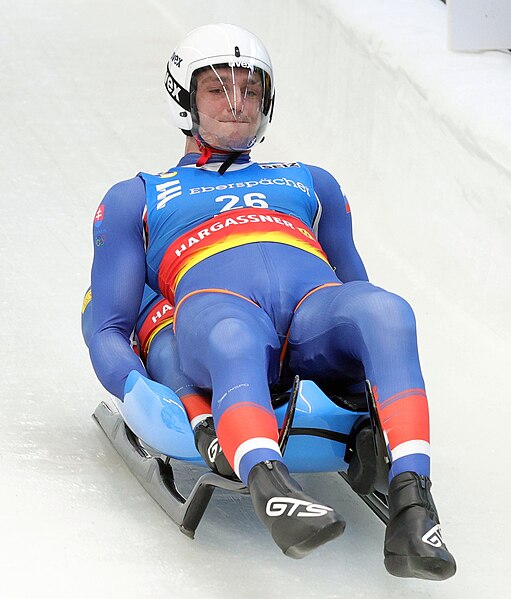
point(229, 230)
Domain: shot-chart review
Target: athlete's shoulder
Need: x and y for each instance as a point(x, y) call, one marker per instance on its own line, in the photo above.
point(126, 191)
point(162, 176)
point(324, 182)
point(123, 202)
point(321, 175)
point(327, 187)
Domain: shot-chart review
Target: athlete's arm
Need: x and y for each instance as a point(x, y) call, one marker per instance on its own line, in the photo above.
point(335, 233)
point(118, 276)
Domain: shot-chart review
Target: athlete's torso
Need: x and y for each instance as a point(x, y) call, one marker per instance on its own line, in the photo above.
point(123, 260)
point(251, 198)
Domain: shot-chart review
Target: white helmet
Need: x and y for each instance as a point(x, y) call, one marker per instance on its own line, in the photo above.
point(237, 64)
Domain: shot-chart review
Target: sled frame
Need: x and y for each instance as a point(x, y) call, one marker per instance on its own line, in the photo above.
point(156, 475)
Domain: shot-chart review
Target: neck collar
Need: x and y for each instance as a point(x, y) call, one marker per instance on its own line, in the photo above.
point(189, 159)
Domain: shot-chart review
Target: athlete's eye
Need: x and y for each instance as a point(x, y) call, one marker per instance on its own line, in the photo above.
point(253, 92)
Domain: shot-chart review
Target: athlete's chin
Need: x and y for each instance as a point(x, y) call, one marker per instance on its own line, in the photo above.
point(235, 129)
point(230, 136)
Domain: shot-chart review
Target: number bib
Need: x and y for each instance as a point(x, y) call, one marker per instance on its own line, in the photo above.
point(194, 213)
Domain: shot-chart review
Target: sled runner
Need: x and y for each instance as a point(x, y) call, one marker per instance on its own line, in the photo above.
point(317, 434)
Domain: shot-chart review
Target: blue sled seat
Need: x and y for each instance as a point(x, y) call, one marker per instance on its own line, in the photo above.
point(320, 430)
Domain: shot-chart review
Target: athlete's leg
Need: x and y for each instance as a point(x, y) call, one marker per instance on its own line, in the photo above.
point(162, 363)
point(357, 328)
point(360, 323)
point(158, 350)
point(229, 344)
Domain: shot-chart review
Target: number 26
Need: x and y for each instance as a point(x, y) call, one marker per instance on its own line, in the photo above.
point(251, 200)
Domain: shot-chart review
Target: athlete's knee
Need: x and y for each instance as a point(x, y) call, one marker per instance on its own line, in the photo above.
point(385, 310)
point(162, 352)
point(232, 338)
point(393, 313)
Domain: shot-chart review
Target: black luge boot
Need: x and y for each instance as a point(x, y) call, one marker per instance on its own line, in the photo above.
point(363, 465)
point(413, 542)
point(207, 445)
point(298, 524)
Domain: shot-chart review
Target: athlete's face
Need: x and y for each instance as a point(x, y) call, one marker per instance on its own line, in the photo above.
point(229, 105)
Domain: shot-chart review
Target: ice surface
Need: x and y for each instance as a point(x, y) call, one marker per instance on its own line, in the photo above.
point(81, 107)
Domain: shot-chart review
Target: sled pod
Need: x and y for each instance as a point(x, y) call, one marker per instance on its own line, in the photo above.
point(321, 431)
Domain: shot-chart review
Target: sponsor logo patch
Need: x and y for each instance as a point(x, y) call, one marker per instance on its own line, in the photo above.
point(213, 450)
point(236, 221)
point(167, 191)
point(280, 165)
point(264, 181)
point(177, 60)
point(240, 63)
point(433, 537)
point(289, 506)
point(173, 88)
point(160, 312)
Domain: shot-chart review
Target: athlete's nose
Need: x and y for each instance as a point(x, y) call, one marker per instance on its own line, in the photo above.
point(237, 99)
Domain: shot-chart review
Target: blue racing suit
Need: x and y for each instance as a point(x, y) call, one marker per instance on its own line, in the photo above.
point(261, 266)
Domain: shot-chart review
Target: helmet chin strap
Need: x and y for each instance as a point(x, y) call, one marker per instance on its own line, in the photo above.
point(227, 163)
point(207, 151)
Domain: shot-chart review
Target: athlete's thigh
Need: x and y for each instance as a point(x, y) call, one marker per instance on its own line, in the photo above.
point(224, 331)
point(324, 338)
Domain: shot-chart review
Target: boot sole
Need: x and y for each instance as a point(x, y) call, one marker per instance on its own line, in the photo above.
point(427, 568)
point(322, 536)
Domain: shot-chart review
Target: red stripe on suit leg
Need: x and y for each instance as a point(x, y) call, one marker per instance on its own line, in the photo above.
point(406, 418)
point(242, 422)
point(195, 405)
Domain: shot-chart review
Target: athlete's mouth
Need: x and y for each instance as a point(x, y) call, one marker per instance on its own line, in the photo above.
point(243, 121)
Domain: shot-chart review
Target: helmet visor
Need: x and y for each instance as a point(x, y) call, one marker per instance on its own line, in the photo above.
point(230, 105)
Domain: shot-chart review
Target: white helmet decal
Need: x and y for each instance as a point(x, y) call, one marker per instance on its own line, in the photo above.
point(236, 60)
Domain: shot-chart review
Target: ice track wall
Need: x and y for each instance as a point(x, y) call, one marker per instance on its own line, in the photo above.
point(419, 136)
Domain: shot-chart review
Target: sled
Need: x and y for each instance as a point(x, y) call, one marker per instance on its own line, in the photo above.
point(318, 433)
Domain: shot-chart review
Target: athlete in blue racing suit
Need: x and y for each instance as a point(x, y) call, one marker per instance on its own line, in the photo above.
point(258, 260)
